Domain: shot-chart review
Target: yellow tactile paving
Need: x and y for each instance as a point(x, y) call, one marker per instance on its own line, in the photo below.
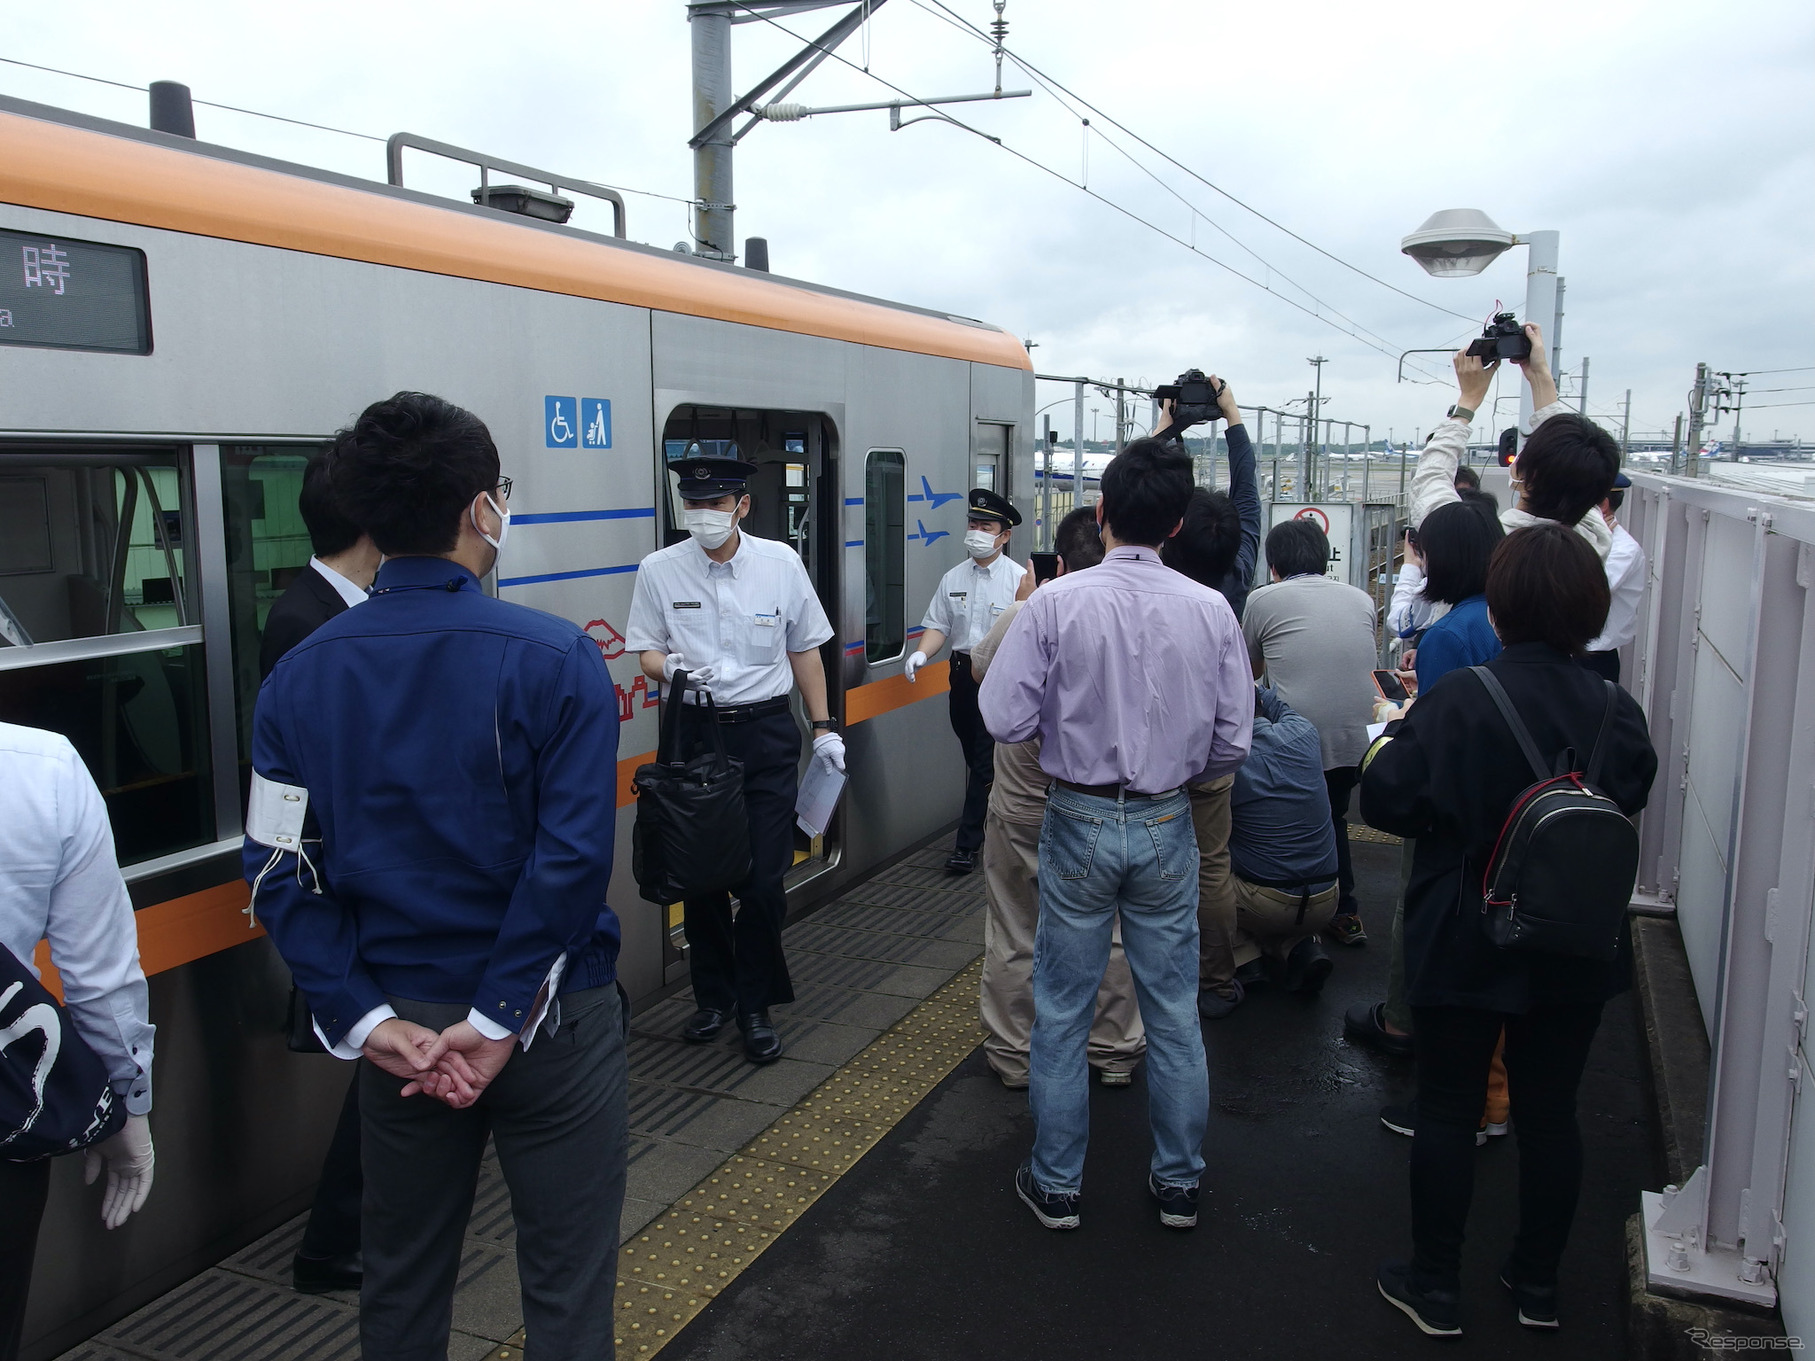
point(681, 1261)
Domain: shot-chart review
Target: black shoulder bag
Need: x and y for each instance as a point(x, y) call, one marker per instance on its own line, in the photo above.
point(55, 1096)
point(691, 835)
point(1562, 872)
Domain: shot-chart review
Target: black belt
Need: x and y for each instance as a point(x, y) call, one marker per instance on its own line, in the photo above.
point(744, 713)
point(1111, 791)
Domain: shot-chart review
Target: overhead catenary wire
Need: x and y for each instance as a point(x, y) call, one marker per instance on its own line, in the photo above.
point(1060, 175)
point(1034, 72)
point(280, 118)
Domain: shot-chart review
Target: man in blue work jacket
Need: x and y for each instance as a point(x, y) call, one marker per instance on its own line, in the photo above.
point(429, 840)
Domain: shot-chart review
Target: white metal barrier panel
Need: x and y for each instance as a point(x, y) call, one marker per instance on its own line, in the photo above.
point(1724, 665)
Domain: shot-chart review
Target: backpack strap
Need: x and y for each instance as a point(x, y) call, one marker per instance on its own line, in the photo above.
point(1497, 693)
point(1593, 774)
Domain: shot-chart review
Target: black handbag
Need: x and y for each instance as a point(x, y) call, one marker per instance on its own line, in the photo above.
point(691, 835)
point(1562, 872)
point(55, 1094)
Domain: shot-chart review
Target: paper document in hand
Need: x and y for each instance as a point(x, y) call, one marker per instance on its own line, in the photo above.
point(819, 791)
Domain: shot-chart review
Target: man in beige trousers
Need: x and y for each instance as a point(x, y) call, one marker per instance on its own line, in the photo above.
point(1011, 862)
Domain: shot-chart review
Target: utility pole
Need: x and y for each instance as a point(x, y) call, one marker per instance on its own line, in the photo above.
point(1077, 446)
point(1582, 396)
point(1698, 397)
point(1316, 410)
point(1626, 424)
point(1121, 415)
point(1739, 400)
point(713, 231)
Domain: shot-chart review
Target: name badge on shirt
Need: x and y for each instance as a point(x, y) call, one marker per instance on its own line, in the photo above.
point(957, 595)
point(994, 610)
point(686, 604)
point(765, 621)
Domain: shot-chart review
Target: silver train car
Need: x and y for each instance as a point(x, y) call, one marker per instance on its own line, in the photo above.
point(180, 325)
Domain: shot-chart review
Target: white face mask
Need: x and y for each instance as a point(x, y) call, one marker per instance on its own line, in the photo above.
point(710, 528)
point(503, 514)
point(979, 543)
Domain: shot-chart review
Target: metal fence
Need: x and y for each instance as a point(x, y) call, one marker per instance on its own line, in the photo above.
point(1724, 665)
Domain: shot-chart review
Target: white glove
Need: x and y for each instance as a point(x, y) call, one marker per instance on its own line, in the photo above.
point(914, 663)
point(829, 747)
point(698, 675)
point(129, 1158)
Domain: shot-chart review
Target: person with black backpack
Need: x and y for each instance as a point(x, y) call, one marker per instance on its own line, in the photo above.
point(1519, 780)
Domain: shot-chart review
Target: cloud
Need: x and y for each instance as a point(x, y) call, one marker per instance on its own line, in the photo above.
point(1670, 153)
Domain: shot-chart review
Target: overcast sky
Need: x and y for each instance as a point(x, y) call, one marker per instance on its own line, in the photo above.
point(1670, 144)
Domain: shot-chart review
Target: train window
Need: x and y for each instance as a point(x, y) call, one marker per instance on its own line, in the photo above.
point(884, 554)
point(92, 545)
point(267, 545)
point(99, 636)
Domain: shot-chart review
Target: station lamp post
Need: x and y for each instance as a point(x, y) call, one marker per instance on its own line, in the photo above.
point(1459, 242)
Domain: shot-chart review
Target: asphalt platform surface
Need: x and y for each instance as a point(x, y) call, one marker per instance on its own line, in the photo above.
point(921, 1250)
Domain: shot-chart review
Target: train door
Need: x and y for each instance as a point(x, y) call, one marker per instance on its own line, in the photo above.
point(794, 499)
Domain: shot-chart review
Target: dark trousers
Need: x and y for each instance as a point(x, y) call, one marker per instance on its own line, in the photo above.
point(556, 1114)
point(1602, 664)
point(979, 753)
point(333, 1228)
point(737, 963)
point(1546, 1051)
point(24, 1187)
point(1341, 783)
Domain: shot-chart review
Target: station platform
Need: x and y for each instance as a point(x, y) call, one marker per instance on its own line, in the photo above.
point(858, 1193)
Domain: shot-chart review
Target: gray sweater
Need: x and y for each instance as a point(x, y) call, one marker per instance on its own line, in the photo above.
point(1315, 639)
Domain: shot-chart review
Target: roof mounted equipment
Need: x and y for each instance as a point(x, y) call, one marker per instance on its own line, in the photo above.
point(530, 202)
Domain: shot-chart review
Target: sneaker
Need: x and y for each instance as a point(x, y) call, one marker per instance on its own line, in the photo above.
point(1437, 1313)
point(1053, 1212)
point(1307, 967)
point(1178, 1204)
point(961, 861)
point(1345, 929)
point(1537, 1304)
point(1116, 1077)
point(1404, 1120)
point(1365, 1023)
point(1253, 973)
point(1213, 1006)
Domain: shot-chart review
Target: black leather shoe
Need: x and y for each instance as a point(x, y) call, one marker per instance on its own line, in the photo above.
point(319, 1275)
point(761, 1043)
point(705, 1025)
point(1362, 1024)
point(961, 862)
point(1307, 967)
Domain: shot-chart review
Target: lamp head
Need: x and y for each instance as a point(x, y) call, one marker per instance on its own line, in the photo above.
point(1457, 242)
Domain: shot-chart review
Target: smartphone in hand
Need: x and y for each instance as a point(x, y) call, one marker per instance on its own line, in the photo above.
point(1391, 688)
point(1045, 565)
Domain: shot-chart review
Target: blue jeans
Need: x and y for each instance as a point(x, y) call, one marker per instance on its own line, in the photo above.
point(1098, 857)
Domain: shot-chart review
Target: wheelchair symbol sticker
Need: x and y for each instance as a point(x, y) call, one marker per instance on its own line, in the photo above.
point(560, 423)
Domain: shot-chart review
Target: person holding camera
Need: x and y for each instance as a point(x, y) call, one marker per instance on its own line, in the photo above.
point(1216, 547)
point(969, 600)
point(1449, 775)
point(1563, 473)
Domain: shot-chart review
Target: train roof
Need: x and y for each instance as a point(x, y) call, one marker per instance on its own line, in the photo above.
point(67, 162)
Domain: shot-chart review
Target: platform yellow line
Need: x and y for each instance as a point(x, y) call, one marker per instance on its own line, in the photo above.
point(687, 1256)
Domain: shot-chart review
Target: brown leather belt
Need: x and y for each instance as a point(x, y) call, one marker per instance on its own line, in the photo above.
point(1111, 791)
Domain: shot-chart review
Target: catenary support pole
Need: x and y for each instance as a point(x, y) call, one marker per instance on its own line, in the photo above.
point(1077, 446)
point(713, 231)
point(1542, 304)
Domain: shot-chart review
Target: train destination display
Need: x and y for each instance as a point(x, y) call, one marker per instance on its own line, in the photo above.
point(73, 295)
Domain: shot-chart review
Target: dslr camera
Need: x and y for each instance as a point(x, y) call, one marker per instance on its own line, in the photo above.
point(1502, 338)
point(1193, 397)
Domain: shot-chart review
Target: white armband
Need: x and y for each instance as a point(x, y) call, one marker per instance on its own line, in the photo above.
point(274, 818)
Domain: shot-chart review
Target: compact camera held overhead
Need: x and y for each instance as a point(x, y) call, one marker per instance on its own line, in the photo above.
point(1502, 338)
point(1194, 398)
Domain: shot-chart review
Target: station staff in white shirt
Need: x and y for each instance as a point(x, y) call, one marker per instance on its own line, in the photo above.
point(1625, 583)
point(740, 616)
point(970, 598)
point(59, 882)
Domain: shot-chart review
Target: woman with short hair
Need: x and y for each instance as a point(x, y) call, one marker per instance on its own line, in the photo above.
point(1449, 775)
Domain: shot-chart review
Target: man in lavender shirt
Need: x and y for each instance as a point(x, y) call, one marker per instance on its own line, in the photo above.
point(1136, 681)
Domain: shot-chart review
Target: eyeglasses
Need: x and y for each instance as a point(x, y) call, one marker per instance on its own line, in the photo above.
point(504, 487)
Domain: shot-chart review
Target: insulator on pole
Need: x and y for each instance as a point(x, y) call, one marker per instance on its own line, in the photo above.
point(781, 113)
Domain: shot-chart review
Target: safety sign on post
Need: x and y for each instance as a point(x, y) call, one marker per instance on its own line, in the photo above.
point(1337, 520)
point(560, 423)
